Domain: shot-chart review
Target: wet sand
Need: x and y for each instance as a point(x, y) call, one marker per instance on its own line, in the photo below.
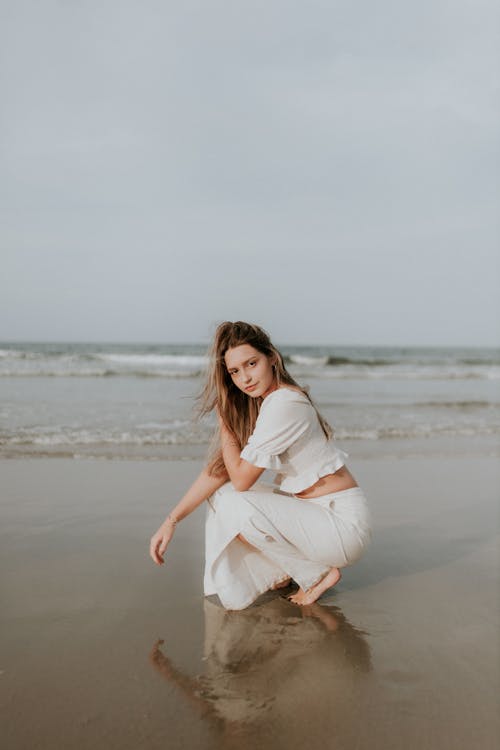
point(101, 648)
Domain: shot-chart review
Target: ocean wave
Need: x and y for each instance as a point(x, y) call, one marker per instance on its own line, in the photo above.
point(18, 354)
point(71, 437)
point(415, 431)
point(148, 360)
point(98, 373)
point(186, 433)
point(402, 372)
point(409, 405)
point(456, 404)
point(301, 359)
point(488, 361)
point(298, 371)
point(155, 361)
point(335, 361)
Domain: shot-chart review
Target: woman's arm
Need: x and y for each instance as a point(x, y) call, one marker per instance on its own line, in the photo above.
point(241, 473)
point(202, 488)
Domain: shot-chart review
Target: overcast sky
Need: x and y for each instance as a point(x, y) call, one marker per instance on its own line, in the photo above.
point(328, 170)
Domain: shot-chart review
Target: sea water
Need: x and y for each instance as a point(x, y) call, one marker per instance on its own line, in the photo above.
point(136, 400)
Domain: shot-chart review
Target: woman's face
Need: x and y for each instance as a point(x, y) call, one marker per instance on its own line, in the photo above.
point(250, 369)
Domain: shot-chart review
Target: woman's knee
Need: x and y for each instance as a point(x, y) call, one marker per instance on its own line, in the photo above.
point(227, 500)
point(223, 494)
point(256, 529)
point(226, 489)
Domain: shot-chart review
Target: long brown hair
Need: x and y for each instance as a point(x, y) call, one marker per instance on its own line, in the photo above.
point(239, 411)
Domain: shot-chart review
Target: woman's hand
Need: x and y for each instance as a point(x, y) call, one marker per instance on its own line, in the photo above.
point(160, 541)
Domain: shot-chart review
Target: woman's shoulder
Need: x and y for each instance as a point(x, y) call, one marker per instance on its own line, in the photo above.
point(285, 394)
point(287, 390)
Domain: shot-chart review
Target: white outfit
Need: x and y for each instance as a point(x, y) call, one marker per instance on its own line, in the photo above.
point(297, 538)
point(288, 437)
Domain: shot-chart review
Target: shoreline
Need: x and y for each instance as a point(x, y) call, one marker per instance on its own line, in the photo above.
point(443, 446)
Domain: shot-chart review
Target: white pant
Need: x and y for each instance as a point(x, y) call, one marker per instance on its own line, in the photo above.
point(296, 538)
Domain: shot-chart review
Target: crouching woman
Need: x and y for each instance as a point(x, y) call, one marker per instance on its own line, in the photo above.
point(259, 536)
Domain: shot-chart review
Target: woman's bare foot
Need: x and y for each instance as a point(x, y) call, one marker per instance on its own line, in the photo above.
point(281, 584)
point(308, 597)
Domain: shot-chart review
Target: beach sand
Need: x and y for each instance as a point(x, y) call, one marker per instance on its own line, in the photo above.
point(403, 653)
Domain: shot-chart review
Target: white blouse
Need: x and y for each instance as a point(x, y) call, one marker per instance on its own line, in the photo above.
point(288, 437)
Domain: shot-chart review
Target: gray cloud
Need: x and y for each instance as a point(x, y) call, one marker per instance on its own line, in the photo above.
point(327, 169)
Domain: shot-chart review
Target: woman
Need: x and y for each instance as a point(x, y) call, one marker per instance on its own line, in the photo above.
point(258, 537)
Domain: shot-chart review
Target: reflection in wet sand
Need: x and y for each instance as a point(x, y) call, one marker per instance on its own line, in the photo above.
point(273, 670)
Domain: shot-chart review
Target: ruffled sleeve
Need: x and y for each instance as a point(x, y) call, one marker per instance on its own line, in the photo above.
point(281, 422)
